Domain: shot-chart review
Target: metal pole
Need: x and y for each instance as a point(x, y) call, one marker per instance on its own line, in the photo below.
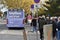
point(37, 35)
point(37, 26)
point(24, 35)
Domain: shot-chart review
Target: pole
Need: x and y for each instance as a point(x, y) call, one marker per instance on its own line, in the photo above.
point(37, 35)
point(37, 26)
point(24, 35)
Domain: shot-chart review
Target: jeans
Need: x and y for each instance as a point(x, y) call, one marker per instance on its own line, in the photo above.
point(34, 28)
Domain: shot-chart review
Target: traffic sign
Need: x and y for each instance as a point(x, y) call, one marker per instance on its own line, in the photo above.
point(36, 1)
point(37, 5)
point(32, 6)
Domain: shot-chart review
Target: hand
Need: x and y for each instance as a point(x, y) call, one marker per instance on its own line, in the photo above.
point(56, 29)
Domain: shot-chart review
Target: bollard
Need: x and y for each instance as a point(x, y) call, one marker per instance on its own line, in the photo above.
point(24, 35)
point(47, 30)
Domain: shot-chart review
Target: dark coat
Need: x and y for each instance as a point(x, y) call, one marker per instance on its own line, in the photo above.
point(54, 25)
point(34, 22)
point(48, 21)
point(41, 22)
point(54, 28)
point(58, 25)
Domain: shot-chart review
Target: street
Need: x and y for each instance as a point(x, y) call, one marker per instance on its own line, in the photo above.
point(29, 19)
point(6, 34)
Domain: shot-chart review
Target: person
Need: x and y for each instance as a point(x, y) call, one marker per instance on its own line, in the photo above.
point(58, 24)
point(41, 22)
point(34, 24)
point(26, 20)
point(29, 19)
point(54, 28)
point(48, 20)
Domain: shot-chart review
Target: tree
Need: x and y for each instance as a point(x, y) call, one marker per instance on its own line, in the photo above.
point(24, 4)
point(54, 8)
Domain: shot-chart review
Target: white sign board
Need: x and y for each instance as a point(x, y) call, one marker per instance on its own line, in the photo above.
point(47, 29)
point(37, 5)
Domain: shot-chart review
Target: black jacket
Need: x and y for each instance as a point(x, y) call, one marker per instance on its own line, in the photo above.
point(41, 22)
point(34, 22)
point(54, 25)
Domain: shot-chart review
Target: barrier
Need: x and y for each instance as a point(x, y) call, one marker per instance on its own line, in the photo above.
point(58, 35)
point(24, 35)
point(47, 30)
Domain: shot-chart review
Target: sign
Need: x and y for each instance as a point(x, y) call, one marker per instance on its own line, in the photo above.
point(47, 29)
point(36, 6)
point(32, 6)
point(15, 18)
point(36, 1)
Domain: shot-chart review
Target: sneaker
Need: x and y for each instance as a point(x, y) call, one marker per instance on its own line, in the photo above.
point(38, 32)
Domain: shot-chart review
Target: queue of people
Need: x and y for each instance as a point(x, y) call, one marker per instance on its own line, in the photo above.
point(42, 20)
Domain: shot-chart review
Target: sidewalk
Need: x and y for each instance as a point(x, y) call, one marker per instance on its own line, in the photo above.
point(6, 34)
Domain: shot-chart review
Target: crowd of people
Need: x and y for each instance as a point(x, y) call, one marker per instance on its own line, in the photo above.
point(42, 20)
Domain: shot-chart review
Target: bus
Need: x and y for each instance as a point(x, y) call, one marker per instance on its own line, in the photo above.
point(15, 18)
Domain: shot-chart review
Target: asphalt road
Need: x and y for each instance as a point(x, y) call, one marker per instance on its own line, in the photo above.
point(6, 34)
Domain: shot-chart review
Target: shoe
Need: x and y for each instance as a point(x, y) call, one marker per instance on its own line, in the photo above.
point(42, 38)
